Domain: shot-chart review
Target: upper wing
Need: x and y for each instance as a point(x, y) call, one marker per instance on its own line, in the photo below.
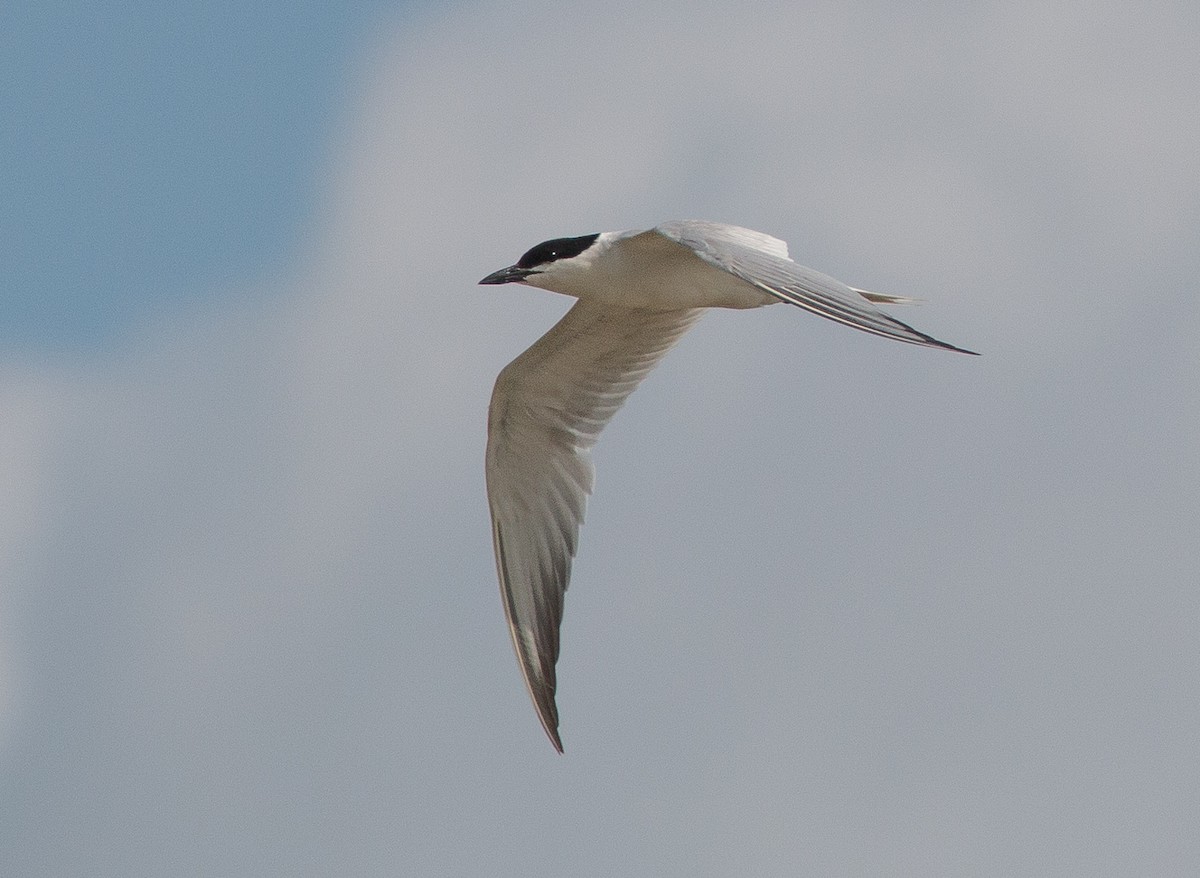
point(762, 261)
point(548, 408)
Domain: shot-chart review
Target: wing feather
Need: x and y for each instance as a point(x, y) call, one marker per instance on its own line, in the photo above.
point(548, 408)
point(735, 250)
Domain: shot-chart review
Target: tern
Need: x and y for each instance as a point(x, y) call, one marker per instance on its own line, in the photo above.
point(638, 292)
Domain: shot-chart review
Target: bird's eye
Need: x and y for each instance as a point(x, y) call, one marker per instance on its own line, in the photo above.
point(559, 248)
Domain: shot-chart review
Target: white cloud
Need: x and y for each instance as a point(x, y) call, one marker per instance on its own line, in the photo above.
point(867, 605)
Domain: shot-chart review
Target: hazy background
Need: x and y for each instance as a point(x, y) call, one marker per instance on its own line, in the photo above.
point(842, 607)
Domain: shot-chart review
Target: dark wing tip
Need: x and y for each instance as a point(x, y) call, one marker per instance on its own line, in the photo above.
point(539, 678)
point(957, 350)
point(547, 711)
point(929, 340)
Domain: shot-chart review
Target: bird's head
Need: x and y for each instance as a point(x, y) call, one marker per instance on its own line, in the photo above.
point(548, 262)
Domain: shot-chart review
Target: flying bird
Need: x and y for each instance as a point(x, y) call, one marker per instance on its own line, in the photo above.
point(638, 292)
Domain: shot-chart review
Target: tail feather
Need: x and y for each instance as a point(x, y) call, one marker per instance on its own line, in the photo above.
point(885, 299)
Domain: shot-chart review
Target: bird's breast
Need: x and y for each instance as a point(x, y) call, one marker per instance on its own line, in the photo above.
point(669, 284)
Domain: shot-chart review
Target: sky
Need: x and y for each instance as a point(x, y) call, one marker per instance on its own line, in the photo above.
point(842, 606)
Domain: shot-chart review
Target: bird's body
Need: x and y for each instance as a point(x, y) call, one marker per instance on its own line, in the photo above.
point(648, 270)
point(638, 292)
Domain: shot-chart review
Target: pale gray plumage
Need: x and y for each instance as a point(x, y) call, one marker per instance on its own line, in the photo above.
point(770, 270)
point(547, 410)
point(639, 292)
